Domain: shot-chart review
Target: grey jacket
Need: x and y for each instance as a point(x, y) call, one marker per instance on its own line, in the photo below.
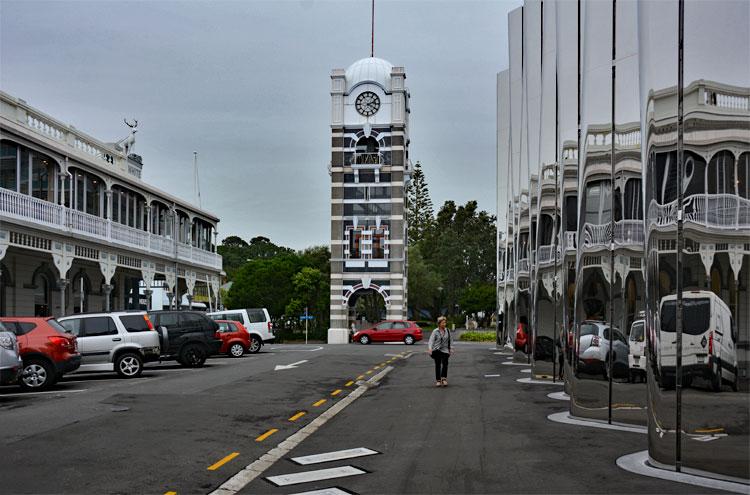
point(439, 342)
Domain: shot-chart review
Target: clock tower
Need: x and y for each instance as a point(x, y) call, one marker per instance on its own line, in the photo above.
point(369, 171)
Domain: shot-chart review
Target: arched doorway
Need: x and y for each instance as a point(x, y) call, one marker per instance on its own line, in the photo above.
point(366, 308)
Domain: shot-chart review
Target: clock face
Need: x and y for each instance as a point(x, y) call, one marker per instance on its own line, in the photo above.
point(367, 103)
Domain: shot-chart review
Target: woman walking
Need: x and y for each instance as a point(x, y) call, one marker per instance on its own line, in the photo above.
point(439, 348)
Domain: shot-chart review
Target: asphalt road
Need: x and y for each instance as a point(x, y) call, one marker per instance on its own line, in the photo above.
point(161, 433)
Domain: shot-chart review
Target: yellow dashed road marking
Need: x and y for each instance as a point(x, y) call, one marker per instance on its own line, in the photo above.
point(218, 464)
point(336, 392)
point(361, 377)
point(297, 416)
point(349, 383)
point(320, 402)
point(266, 434)
point(709, 430)
point(368, 372)
point(170, 493)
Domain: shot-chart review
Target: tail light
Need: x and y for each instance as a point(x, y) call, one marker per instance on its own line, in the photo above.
point(148, 322)
point(270, 326)
point(711, 343)
point(63, 342)
point(595, 341)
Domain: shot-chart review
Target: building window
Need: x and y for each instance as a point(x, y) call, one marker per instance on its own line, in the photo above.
point(378, 243)
point(355, 243)
point(743, 175)
point(41, 296)
point(633, 202)
point(598, 207)
point(720, 172)
point(8, 165)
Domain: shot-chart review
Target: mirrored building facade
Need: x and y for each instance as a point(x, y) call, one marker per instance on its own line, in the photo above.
point(623, 163)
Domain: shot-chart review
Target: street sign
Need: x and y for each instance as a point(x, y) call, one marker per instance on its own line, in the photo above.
point(308, 317)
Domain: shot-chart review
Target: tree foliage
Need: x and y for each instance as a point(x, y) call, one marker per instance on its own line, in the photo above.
point(236, 252)
point(419, 205)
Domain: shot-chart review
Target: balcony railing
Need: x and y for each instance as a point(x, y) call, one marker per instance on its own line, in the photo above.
point(367, 159)
point(629, 232)
point(716, 211)
point(570, 240)
point(509, 274)
point(523, 265)
point(66, 220)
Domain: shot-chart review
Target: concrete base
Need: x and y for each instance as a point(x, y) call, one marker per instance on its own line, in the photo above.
point(338, 336)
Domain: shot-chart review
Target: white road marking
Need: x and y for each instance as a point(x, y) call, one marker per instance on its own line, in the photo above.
point(565, 417)
point(491, 376)
point(256, 468)
point(392, 355)
point(325, 491)
point(282, 349)
point(334, 456)
point(26, 394)
point(289, 366)
point(511, 363)
point(639, 463)
point(317, 475)
point(709, 438)
point(527, 370)
point(558, 396)
point(539, 382)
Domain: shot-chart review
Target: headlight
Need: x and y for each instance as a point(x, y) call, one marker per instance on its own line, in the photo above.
point(6, 341)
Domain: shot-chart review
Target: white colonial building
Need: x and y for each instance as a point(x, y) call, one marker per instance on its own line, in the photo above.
point(81, 231)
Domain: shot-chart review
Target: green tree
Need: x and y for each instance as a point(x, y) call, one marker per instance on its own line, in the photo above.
point(424, 285)
point(310, 290)
point(419, 205)
point(236, 252)
point(479, 297)
point(266, 283)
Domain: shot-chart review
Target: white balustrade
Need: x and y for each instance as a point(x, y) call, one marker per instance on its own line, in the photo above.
point(523, 265)
point(66, 220)
point(629, 232)
point(45, 127)
point(596, 234)
point(570, 240)
point(716, 211)
point(546, 254)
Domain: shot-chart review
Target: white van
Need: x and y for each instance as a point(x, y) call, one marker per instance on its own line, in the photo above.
point(708, 340)
point(636, 351)
point(255, 320)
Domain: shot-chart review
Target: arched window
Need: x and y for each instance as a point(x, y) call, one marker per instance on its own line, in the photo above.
point(87, 194)
point(128, 208)
point(367, 151)
point(720, 174)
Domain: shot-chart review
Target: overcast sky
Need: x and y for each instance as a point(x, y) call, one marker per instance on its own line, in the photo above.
point(246, 84)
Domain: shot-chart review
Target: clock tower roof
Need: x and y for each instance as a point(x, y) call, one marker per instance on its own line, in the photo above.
point(371, 69)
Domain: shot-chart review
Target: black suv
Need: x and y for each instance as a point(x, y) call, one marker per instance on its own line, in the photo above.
point(190, 337)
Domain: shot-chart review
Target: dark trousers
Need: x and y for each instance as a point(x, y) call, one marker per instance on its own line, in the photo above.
point(441, 364)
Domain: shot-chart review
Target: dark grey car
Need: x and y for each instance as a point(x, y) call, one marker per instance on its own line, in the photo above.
point(11, 363)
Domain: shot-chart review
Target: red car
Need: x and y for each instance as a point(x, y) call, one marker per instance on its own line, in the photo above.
point(235, 339)
point(48, 352)
point(522, 338)
point(390, 331)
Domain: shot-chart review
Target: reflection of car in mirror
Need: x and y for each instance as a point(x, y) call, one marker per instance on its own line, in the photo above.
point(708, 349)
point(637, 352)
point(594, 348)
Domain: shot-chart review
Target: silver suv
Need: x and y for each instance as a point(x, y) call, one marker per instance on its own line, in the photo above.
point(11, 363)
point(120, 341)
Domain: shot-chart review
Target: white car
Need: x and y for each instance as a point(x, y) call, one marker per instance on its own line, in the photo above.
point(255, 320)
point(637, 351)
point(708, 340)
point(120, 341)
point(11, 364)
point(594, 348)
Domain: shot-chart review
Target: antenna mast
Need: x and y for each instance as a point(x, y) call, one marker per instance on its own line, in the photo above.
point(372, 31)
point(196, 182)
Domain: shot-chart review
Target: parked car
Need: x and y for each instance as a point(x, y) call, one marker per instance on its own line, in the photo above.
point(255, 320)
point(404, 331)
point(11, 363)
point(523, 339)
point(708, 340)
point(636, 351)
point(596, 341)
point(48, 352)
point(235, 339)
point(121, 341)
point(190, 336)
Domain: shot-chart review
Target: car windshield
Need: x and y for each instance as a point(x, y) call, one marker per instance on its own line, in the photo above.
point(589, 329)
point(636, 332)
point(256, 315)
point(696, 316)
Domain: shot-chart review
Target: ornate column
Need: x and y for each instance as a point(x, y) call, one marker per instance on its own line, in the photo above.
point(62, 256)
point(108, 265)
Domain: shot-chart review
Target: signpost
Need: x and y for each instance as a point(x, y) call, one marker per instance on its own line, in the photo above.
point(306, 317)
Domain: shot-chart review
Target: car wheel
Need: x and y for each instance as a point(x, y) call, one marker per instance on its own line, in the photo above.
point(716, 376)
point(408, 340)
point(237, 350)
point(193, 356)
point(254, 346)
point(129, 365)
point(364, 339)
point(735, 384)
point(37, 375)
